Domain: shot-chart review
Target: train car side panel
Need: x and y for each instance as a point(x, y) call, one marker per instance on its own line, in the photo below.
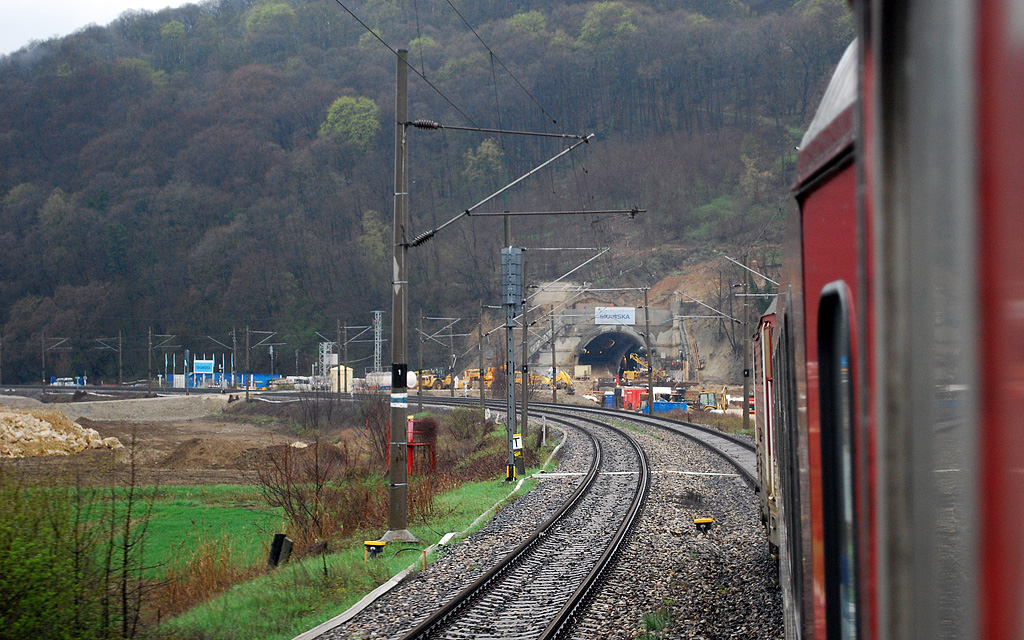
point(1000, 41)
point(828, 215)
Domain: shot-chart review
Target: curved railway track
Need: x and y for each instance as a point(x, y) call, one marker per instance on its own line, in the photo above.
point(535, 590)
point(738, 452)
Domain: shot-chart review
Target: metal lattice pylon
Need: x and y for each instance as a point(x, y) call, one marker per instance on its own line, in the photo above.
point(378, 339)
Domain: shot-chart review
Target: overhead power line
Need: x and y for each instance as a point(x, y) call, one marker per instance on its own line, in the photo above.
point(507, 70)
point(411, 67)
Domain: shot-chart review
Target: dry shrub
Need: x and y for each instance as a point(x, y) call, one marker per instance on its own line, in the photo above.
point(468, 426)
point(307, 485)
point(423, 491)
point(206, 573)
point(376, 415)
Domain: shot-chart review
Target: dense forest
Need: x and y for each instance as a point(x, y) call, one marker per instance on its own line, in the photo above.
point(230, 163)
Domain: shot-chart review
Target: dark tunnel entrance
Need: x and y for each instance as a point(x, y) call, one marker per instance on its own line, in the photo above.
point(607, 353)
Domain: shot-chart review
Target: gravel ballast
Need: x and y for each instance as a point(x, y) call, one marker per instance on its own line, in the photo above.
point(669, 581)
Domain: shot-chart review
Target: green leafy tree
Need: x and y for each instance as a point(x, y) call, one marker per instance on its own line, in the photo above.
point(484, 165)
point(530, 21)
point(173, 31)
point(607, 21)
point(267, 16)
point(355, 121)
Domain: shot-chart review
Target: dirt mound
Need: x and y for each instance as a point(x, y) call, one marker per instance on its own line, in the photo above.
point(46, 433)
point(208, 453)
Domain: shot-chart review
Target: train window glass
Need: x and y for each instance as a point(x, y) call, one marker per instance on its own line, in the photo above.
point(836, 404)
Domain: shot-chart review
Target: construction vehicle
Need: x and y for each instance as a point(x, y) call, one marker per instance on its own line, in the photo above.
point(639, 373)
point(709, 400)
point(434, 379)
point(471, 378)
point(562, 381)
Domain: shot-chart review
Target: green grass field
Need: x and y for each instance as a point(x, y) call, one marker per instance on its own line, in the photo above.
point(183, 517)
point(303, 594)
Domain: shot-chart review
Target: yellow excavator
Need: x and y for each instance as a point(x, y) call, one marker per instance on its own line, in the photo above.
point(639, 374)
point(562, 381)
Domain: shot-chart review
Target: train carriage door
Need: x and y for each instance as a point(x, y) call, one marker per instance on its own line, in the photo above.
point(837, 462)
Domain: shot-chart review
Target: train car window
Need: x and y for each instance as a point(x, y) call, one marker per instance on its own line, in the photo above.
point(836, 402)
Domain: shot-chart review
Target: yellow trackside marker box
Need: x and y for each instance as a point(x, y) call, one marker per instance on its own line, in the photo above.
point(372, 549)
point(703, 524)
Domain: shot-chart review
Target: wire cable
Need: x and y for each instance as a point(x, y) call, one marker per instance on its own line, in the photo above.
point(419, 36)
point(412, 68)
point(507, 70)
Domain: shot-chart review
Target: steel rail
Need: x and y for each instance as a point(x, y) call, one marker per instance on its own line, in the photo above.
point(566, 615)
point(474, 590)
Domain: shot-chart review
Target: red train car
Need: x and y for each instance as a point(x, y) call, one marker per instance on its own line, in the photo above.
point(893, 432)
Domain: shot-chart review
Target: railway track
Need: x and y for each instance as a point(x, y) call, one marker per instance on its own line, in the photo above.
point(738, 452)
point(536, 589)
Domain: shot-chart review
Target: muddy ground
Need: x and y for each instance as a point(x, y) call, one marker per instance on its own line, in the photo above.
point(179, 441)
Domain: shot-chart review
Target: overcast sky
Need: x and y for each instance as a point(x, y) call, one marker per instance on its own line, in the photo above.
point(22, 21)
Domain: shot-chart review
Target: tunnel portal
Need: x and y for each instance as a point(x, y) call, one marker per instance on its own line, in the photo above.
point(606, 351)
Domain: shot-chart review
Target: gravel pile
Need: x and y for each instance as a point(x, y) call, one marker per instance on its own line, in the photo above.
point(46, 433)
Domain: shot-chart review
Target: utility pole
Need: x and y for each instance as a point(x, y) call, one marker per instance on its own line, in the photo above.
point(42, 346)
point(480, 360)
point(234, 355)
point(345, 348)
point(120, 378)
point(419, 379)
point(554, 365)
point(248, 371)
point(296, 362)
point(746, 350)
point(451, 358)
point(149, 360)
point(512, 299)
point(398, 486)
point(337, 328)
point(650, 356)
point(526, 365)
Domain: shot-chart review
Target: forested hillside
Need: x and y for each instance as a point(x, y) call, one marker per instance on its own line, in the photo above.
point(230, 163)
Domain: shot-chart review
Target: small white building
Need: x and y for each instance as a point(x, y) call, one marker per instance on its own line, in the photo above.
point(339, 374)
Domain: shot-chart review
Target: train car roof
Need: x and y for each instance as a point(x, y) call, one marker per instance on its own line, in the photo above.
point(831, 131)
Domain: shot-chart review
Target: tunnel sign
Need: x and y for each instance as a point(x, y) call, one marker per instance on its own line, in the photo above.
point(615, 315)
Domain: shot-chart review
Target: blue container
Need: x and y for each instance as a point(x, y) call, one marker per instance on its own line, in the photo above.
point(665, 407)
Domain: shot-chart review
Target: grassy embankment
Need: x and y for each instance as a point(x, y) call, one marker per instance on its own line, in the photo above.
point(301, 595)
point(192, 564)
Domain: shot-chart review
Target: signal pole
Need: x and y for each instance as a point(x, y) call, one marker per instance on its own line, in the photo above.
point(398, 485)
point(554, 366)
